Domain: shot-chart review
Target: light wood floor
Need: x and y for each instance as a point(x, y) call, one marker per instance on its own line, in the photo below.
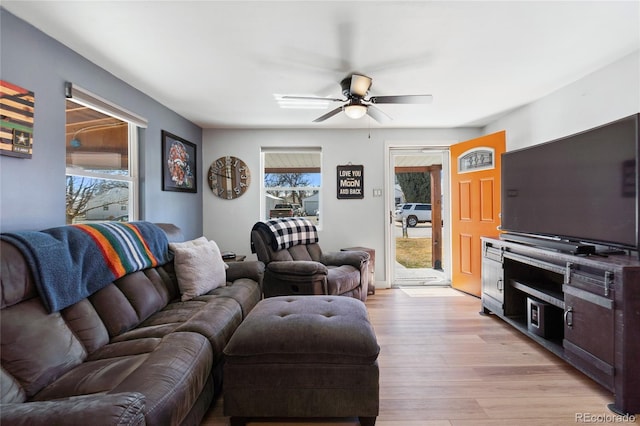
point(442, 363)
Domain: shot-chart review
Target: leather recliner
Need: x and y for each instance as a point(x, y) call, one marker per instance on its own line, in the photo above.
point(303, 269)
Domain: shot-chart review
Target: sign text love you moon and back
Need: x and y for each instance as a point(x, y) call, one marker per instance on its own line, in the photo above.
point(350, 181)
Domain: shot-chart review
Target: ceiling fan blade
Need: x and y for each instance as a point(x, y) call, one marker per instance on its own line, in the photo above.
point(402, 99)
point(328, 115)
point(377, 114)
point(314, 98)
point(360, 85)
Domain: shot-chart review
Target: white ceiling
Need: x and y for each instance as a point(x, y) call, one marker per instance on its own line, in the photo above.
point(220, 64)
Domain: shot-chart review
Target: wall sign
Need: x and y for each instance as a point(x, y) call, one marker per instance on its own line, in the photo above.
point(16, 112)
point(350, 182)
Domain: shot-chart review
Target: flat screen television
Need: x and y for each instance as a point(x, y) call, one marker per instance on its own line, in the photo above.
point(580, 188)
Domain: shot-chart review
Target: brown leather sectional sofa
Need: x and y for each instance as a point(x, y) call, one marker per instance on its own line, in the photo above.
point(131, 353)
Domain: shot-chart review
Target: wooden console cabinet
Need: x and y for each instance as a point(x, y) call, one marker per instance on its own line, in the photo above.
point(585, 309)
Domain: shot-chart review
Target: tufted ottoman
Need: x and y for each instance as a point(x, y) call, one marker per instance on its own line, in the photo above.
point(303, 356)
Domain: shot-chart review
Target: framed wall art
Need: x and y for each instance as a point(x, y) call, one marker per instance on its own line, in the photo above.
point(16, 124)
point(179, 164)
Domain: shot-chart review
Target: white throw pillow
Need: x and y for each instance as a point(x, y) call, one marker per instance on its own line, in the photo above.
point(191, 243)
point(199, 267)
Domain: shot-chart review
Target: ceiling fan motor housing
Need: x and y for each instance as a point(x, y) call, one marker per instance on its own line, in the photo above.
point(345, 84)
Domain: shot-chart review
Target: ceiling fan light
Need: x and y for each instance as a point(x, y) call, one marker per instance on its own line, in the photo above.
point(355, 111)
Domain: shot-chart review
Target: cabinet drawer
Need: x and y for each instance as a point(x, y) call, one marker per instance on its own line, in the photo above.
point(596, 282)
point(493, 253)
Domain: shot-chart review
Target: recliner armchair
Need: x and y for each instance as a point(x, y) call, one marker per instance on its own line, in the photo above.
point(296, 265)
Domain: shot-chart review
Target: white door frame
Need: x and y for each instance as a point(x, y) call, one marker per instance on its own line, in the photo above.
point(389, 178)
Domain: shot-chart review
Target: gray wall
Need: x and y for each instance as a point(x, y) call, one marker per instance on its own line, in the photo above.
point(344, 223)
point(32, 190)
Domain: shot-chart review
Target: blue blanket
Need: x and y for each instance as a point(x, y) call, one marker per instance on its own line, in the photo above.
point(288, 232)
point(69, 263)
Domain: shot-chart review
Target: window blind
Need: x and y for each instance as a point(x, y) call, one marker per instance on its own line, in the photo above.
point(86, 98)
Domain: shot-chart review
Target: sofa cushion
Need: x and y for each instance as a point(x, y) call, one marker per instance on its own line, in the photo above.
point(37, 347)
point(170, 372)
point(115, 310)
point(141, 293)
point(17, 282)
point(10, 389)
point(199, 267)
point(124, 409)
point(132, 299)
point(217, 321)
point(300, 252)
point(86, 324)
point(214, 317)
point(244, 291)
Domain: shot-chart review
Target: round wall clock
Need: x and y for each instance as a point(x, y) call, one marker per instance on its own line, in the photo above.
point(229, 177)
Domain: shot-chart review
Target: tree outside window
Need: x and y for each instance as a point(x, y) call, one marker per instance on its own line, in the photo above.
point(100, 178)
point(293, 177)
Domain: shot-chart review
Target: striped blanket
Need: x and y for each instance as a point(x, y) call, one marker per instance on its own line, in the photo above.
point(288, 232)
point(69, 263)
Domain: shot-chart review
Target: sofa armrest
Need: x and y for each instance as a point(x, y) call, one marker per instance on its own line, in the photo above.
point(174, 234)
point(297, 268)
point(252, 269)
point(357, 259)
point(113, 409)
point(295, 277)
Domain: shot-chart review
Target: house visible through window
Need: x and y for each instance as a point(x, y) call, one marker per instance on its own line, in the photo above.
point(292, 177)
point(101, 159)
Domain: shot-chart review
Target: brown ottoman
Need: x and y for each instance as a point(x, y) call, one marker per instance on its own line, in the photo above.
point(303, 356)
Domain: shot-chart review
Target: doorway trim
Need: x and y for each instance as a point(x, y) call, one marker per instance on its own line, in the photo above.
point(392, 148)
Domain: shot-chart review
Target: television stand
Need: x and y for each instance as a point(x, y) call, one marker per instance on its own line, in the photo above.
point(584, 309)
point(570, 247)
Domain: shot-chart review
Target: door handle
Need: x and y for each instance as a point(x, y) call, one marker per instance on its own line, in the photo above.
point(568, 317)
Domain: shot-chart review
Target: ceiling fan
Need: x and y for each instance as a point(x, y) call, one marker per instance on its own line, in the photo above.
point(355, 87)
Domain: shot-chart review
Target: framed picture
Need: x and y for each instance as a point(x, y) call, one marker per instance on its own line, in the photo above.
point(16, 120)
point(179, 165)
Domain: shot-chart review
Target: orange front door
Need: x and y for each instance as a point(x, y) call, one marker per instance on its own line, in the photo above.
point(475, 205)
